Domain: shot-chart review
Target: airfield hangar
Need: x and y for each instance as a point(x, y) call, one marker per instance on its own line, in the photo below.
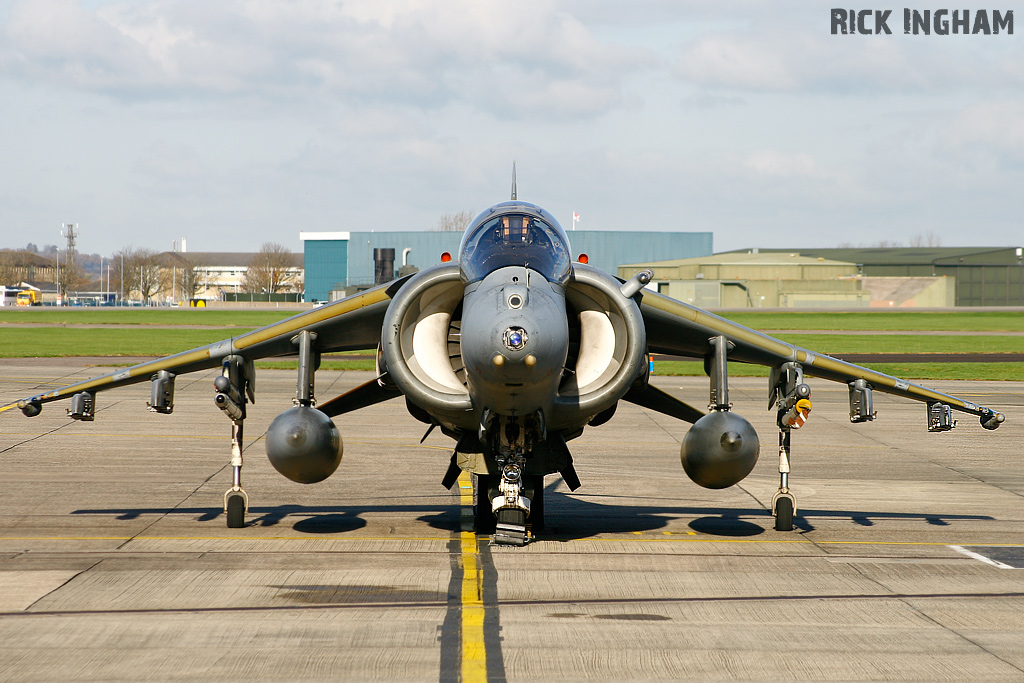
point(847, 278)
point(337, 263)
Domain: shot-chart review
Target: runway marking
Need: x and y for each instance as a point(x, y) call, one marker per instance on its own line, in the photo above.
point(474, 649)
point(981, 558)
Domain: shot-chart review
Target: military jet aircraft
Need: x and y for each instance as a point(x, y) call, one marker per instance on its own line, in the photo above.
point(512, 351)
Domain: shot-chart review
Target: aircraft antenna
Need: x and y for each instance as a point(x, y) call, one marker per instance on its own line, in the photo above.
point(513, 181)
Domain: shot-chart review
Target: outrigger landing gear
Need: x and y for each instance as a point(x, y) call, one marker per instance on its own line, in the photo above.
point(783, 502)
point(793, 397)
point(234, 390)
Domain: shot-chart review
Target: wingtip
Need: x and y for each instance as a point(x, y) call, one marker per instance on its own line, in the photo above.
point(992, 420)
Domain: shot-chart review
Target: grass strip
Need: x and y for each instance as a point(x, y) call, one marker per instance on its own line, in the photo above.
point(913, 371)
point(25, 342)
point(882, 320)
point(143, 316)
point(905, 343)
point(873, 320)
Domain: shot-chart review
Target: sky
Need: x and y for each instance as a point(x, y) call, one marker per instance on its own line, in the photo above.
point(234, 123)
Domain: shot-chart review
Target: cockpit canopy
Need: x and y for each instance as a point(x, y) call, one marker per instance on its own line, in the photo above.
point(515, 234)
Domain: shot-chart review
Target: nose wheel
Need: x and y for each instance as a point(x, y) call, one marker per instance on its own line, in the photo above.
point(509, 524)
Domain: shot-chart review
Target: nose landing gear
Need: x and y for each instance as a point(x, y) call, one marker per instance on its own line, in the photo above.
point(510, 507)
point(509, 496)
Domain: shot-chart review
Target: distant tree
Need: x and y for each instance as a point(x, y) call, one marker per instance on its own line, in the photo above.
point(880, 244)
point(190, 275)
point(454, 222)
point(268, 270)
point(929, 239)
point(32, 248)
point(9, 269)
point(136, 271)
point(72, 278)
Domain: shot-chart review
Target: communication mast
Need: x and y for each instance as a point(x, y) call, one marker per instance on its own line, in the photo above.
point(69, 258)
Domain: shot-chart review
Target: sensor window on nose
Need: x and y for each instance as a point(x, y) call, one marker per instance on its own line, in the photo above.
point(515, 338)
point(515, 301)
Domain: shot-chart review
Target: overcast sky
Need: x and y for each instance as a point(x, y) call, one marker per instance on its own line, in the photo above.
point(236, 122)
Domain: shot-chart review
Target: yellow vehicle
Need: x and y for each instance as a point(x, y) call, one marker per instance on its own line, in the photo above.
point(29, 297)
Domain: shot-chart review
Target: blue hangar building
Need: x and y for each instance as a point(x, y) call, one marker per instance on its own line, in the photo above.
point(336, 261)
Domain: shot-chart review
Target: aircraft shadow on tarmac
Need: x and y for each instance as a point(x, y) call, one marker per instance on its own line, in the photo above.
point(567, 517)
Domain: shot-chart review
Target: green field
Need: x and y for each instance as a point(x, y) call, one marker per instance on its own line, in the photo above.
point(142, 316)
point(884, 320)
point(159, 332)
point(881, 320)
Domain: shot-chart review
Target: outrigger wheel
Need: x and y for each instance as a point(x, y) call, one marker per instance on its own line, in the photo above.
point(784, 513)
point(234, 505)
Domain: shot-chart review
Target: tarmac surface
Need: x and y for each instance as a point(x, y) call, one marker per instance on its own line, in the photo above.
point(116, 563)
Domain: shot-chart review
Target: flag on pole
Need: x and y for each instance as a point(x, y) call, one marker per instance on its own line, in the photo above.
point(575, 219)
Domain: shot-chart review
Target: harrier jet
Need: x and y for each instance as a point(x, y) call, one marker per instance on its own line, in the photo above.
point(512, 351)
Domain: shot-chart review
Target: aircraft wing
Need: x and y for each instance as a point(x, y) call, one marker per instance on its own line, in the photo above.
point(677, 328)
point(349, 324)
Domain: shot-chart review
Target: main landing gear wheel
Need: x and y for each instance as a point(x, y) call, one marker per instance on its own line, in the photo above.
point(483, 517)
point(236, 511)
point(784, 514)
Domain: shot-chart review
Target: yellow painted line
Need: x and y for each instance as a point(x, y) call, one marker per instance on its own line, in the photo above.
point(474, 650)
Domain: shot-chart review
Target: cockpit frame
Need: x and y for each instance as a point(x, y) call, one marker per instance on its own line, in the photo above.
point(515, 234)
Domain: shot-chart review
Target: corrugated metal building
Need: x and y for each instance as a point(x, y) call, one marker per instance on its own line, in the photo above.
point(739, 280)
point(338, 260)
point(985, 276)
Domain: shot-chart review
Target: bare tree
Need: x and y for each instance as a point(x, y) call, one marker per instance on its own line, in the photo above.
point(72, 278)
point(454, 222)
point(190, 276)
point(270, 270)
point(928, 239)
point(137, 270)
point(9, 268)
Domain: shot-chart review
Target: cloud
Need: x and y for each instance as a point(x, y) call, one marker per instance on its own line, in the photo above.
point(514, 60)
point(793, 51)
point(782, 164)
point(986, 134)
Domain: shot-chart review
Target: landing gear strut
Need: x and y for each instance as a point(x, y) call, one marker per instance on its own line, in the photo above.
point(793, 399)
point(783, 502)
point(234, 390)
point(510, 491)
